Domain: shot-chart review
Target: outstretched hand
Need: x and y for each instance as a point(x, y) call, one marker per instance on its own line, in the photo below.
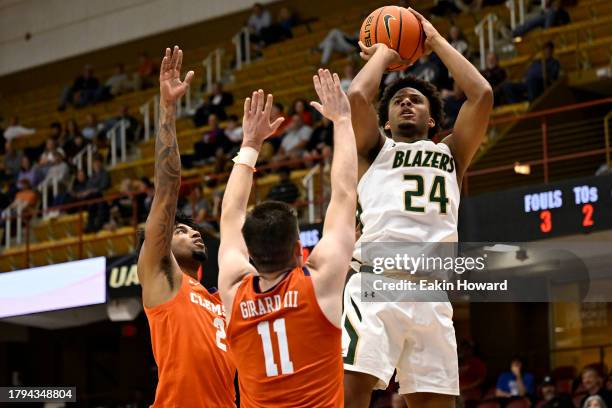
point(171, 88)
point(334, 102)
point(256, 125)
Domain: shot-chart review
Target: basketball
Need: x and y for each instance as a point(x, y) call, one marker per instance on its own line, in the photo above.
point(396, 27)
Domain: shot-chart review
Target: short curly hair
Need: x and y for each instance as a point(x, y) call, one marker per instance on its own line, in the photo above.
point(430, 91)
point(179, 218)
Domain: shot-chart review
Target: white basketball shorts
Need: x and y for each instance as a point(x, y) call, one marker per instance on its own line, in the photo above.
point(416, 338)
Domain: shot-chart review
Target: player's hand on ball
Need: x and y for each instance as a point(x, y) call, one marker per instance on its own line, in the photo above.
point(430, 31)
point(256, 125)
point(334, 102)
point(391, 55)
point(171, 88)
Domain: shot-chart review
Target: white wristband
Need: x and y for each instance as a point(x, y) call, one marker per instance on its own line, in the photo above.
point(247, 156)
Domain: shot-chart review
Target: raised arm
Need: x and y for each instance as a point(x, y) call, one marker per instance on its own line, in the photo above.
point(473, 119)
point(330, 258)
point(362, 95)
point(233, 254)
point(158, 270)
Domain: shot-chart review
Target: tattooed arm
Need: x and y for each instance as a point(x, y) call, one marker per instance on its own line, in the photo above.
point(158, 271)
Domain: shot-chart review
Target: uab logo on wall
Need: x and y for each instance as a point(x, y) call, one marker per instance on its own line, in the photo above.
point(122, 277)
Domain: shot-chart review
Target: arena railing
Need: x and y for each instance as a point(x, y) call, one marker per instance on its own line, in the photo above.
point(316, 196)
point(23, 222)
point(546, 159)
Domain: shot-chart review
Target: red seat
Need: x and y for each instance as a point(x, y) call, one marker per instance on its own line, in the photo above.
point(519, 403)
point(488, 404)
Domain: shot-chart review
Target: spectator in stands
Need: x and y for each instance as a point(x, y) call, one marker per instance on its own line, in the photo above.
point(349, 73)
point(28, 172)
point(609, 383)
point(427, 69)
point(15, 130)
point(57, 131)
point(322, 135)
point(551, 398)
point(219, 101)
point(495, 75)
point(337, 41)
point(99, 182)
point(258, 20)
point(216, 104)
point(233, 132)
point(92, 127)
point(49, 156)
point(132, 126)
point(114, 220)
point(453, 100)
point(278, 111)
point(146, 73)
point(12, 161)
point(552, 15)
point(212, 140)
point(26, 198)
point(58, 170)
point(300, 108)
point(444, 8)
point(116, 85)
point(296, 138)
point(593, 383)
point(197, 206)
point(285, 190)
point(472, 371)
point(74, 146)
point(537, 78)
point(515, 383)
point(281, 30)
point(321, 141)
point(71, 130)
point(272, 144)
point(82, 92)
point(594, 401)
point(79, 185)
point(456, 38)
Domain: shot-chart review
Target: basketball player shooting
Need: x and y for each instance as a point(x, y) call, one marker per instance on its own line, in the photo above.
point(408, 191)
point(187, 322)
point(284, 326)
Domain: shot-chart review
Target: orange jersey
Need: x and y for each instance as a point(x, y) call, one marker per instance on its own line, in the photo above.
point(188, 338)
point(288, 354)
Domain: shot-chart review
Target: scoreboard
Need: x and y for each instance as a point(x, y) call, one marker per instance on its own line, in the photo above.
point(576, 206)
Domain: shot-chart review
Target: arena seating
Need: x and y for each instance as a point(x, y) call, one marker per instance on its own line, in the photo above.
point(286, 69)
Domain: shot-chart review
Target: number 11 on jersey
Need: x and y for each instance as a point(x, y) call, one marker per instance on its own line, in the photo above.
point(263, 328)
